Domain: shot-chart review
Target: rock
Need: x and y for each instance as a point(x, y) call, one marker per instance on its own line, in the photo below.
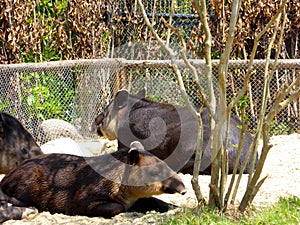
point(66, 146)
point(53, 128)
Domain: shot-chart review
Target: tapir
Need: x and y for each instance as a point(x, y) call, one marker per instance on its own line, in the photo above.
point(167, 131)
point(105, 185)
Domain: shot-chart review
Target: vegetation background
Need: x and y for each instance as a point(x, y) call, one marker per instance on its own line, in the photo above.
point(49, 30)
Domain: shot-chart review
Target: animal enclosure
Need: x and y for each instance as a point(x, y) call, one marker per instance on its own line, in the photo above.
point(76, 91)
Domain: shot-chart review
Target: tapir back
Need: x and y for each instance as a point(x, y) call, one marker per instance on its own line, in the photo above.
point(53, 182)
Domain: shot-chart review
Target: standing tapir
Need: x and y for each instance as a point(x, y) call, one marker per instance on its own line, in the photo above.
point(105, 185)
point(167, 131)
point(16, 143)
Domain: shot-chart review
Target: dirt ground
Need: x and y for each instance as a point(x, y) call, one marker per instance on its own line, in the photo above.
point(282, 166)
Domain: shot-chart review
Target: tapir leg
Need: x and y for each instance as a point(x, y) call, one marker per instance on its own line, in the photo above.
point(107, 210)
point(16, 202)
point(8, 212)
point(11, 213)
point(147, 204)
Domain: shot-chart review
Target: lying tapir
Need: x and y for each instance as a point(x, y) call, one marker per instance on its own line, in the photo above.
point(105, 185)
point(167, 131)
point(16, 143)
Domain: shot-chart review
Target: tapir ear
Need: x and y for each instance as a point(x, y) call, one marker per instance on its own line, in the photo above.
point(134, 156)
point(137, 145)
point(141, 94)
point(121, 99)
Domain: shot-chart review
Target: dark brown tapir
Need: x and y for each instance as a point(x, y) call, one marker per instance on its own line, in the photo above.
point(105, 185)
point(167, 131)
point(16, 143)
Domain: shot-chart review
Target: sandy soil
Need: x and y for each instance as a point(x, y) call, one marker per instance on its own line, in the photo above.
point(282, 166)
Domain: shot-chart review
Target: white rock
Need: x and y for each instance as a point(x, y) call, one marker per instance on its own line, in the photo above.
point(65, 146)
point(94, 147)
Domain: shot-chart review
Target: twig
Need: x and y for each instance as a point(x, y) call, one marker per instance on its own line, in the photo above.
point(223, 67)
point(201, 9)
point(197, 163)
point(170, 22)
point(172, 55)
point(189, 65)
point(161, 42)
point(238, 155)
point(252, 56)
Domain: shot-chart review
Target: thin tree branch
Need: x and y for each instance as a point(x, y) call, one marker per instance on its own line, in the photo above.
point(222, 77)
point(172, 55)
point(280, 103)
point(252, 56)
point(261, 128)
point(189, 65)
point(197, 163)
point(161, 42)
point(236, 163)
point(170, 22)
point(201, 9)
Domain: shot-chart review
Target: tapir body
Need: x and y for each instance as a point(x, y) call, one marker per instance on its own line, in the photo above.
point(105, 185)
point(167, 131)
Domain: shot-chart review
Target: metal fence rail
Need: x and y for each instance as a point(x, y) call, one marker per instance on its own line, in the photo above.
point(75, 91)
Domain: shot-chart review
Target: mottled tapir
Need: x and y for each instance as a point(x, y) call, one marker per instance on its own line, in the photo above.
point(167, 131)
point(16, 143)
point(105, 185)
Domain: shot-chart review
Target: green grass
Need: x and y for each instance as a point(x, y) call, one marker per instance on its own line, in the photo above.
point(285, 211)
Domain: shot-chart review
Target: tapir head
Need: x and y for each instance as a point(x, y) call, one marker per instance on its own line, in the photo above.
point(107, 122)
point(149, 175)
point(16, 143)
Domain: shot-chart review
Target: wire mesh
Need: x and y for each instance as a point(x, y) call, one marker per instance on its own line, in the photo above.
point(76, 91)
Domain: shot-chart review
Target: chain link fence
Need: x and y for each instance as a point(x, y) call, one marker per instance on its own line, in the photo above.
point(76, 91)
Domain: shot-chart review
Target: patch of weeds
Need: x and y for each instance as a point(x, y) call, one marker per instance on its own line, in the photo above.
point(285, 211)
